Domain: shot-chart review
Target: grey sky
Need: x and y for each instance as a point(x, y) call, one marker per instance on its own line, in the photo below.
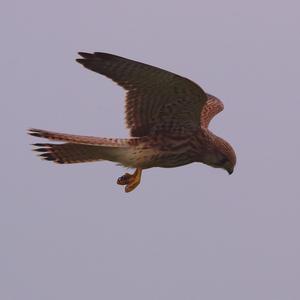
point(69, 232)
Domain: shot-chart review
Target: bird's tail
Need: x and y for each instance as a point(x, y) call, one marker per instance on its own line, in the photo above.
point(80, 148)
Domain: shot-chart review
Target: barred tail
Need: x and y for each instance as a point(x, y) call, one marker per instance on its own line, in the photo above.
point(78, 139)
point(80, 148)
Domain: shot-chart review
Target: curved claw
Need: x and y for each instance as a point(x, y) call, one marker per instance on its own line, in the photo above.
point(123, 180)
point(131, 181)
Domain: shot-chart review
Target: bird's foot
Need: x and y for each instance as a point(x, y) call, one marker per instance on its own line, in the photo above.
point(131, 181)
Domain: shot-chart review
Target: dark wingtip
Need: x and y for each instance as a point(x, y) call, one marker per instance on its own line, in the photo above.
point(45, 150)
point(80, 60)
point(101, 55)
point(47, 156)
point(84, 57)
point(40, 145)
point(41, 150)
point(50, 157)
point(104, 55)
point(34, 132)
point(85, 54)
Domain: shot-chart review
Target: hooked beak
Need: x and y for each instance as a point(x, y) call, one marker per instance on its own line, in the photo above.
point(230, 171)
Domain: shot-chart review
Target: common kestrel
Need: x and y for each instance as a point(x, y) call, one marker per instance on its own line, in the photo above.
point(168, 117)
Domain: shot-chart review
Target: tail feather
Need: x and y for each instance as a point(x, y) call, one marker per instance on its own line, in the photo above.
point(69, 153)
point(80, 148)
point(78, 139)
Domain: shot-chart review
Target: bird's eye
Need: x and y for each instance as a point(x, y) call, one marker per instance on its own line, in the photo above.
point(223, 161)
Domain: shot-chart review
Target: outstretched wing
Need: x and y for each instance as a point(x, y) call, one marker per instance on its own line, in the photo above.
point(157, 101)
point(212, 107)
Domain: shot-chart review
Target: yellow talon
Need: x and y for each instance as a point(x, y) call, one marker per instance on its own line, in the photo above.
point(123, 180)
point(130, 180)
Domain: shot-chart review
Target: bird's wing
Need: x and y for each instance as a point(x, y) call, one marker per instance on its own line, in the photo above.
point(157, 101)
point(212, 107)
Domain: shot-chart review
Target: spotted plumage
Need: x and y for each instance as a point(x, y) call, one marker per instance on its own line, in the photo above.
point(167, 115)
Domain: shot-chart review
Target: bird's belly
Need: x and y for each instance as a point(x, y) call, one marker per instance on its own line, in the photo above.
point(164, 160)
point(149, 157)
point(172, 160)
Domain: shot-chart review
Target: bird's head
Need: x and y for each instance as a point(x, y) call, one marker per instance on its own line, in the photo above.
point(226, 158)
point(223, 156)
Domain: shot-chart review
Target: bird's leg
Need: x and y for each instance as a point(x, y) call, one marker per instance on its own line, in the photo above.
point(130, 180)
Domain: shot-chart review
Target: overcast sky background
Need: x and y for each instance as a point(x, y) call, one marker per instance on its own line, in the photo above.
point(69, 232)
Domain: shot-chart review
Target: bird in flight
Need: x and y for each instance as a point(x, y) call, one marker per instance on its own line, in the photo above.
point(167, 115)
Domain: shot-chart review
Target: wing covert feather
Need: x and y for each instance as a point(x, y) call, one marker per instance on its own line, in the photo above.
point(212, 107)
point(157, 101)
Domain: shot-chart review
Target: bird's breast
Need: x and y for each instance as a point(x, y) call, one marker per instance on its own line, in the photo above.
point(165, 152)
